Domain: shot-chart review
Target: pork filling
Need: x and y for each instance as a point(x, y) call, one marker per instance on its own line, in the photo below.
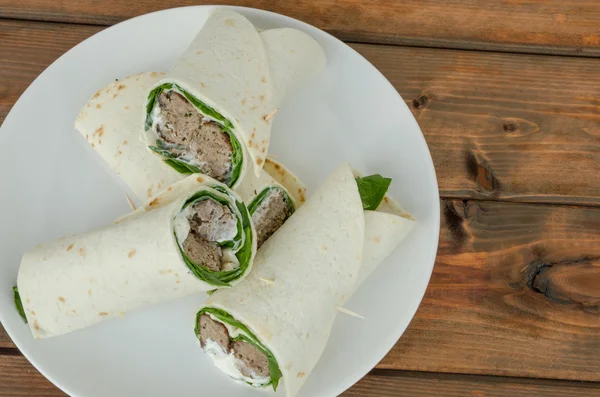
point(250, 361)
point(210, 223)
point(192, 137)
point(270, 215)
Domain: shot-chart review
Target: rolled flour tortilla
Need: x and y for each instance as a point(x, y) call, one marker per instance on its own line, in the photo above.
point(270, 202)
point(275, 325)
point(201, 240)
point(113, 120)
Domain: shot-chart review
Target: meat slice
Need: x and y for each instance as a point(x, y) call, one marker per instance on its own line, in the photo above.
point(181, 124)
point(202, 252)
point(209, 329)
point(270, 215)
point(210, 223)
point(251, 361)
point(213, 221)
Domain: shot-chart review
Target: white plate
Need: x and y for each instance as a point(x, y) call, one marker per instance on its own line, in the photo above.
point(53, 184)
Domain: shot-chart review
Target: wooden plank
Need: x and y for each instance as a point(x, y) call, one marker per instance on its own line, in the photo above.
point(542, 26)
point(19, 378)
point(409, 384)
point(503, 126)
point(5, 340)
point(515, 292)
point(499, 126)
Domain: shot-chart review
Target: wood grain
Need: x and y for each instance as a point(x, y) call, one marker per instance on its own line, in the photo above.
point(499, 126)
point(20, 379)
point(409, 384)
point(514, 292)
point(542, 26)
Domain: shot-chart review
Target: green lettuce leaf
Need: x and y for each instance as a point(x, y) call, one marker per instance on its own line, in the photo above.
point(225, 317)
point(19, 304)
point(372, 190)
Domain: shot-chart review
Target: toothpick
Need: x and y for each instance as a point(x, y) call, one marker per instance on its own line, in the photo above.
point(267, 281)
point(131, 205)
point(348, 312)
point(270, 115)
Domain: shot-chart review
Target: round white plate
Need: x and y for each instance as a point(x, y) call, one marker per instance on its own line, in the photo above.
point(55, 185)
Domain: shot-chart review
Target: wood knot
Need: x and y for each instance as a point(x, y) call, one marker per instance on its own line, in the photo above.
point(481, 172)
point(420, 101)
point(509, 126)
point(573, 281)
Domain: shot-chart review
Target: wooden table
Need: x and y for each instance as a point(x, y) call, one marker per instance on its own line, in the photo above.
point(508, 96)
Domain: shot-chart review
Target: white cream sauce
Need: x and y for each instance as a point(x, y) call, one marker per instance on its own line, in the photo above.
point(227, 363)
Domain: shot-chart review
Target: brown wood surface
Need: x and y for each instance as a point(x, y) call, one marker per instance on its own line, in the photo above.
point(499, 126)
point(545, 26)
point(20, 379)
point(515, 293)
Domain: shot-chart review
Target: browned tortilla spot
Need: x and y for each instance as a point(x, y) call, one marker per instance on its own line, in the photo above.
point(103, 314)
point(165, 271)
point(99, 131)
point(259, 161)
point(385, 199)
point(60, 298)
point(170, 188)
point(99, 106)
point(200, 179)
point(93, 145)
point(243, 101)
point(253, 108)
point(115, 95)
point(119, 153)
point(150, 192)
point(96, 95)
point(154, 202)
point(230, 22)
point(253, 134)
point(74, 311)
point(153, 74)
point(202, 85)
point(262, 97)
point(300, 375)
point(325, 247)
point(36, 325)
point(124, 142)
point(177, 281)
point(199, 52)
point(377, 239)
point(121, 87)
point(32, 313)
point(82, 251)
point(131, 253)
point(263, 79)
point(277, 166)
point(126, 107)
point(263, 150)
point(89, 291)
point(70, 247)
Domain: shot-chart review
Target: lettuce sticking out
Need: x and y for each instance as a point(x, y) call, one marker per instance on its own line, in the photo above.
point(372, 190)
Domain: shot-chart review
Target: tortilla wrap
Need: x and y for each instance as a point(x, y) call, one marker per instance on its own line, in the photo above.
point(140, 260)
point(285, 309)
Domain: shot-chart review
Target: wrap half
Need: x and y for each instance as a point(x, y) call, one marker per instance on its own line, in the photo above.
point(208, 114)
point(187, 239)
point(276, 324)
